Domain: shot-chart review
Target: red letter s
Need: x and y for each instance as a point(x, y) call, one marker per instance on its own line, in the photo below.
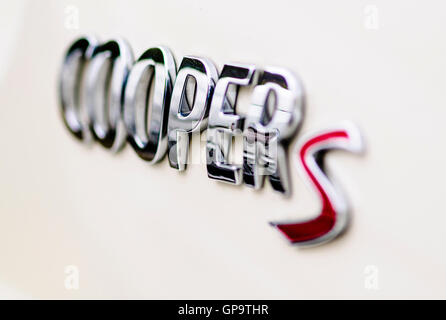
point(333, 217)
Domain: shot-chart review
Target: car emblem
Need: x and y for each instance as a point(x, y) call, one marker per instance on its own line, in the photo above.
point(106, 96)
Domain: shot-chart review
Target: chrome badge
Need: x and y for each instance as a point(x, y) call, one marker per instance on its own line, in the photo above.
point(106, 96)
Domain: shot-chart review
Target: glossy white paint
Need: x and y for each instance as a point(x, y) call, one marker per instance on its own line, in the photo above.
point(131, 240)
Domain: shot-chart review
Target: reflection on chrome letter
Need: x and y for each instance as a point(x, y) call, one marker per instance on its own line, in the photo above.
point(147, 126)
point(105, 81)
point(274, 117)
point(189, 106)
point(224, 123)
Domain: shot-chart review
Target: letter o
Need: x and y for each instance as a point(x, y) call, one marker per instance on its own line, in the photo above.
point(71, 75)
point(146, 114)
point(105, 82)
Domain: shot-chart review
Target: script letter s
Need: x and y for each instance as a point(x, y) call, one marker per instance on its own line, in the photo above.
point(333, 217)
